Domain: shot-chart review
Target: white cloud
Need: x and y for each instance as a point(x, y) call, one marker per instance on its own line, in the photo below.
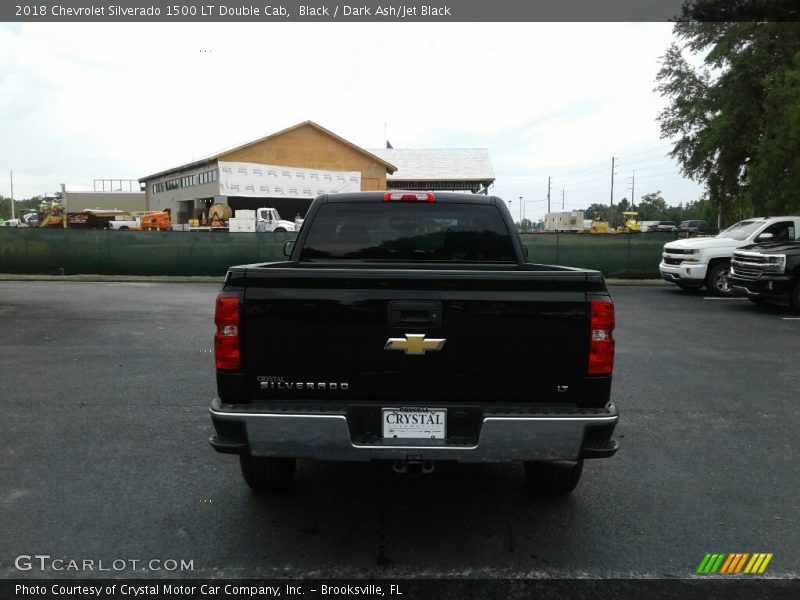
point(85, 101)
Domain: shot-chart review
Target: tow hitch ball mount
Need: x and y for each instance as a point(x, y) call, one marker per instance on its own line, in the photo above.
point(413, 465)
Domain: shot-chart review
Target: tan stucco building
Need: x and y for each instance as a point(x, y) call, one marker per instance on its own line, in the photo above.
point(285, 170)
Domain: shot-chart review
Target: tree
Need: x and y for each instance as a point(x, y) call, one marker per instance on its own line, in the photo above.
point(652, 207)
point(596, 211)
point(736, 120)
point(524, 226)
point(19, 206)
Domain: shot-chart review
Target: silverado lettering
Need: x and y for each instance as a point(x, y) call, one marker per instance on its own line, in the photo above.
point(423, 301)
point(299, 385)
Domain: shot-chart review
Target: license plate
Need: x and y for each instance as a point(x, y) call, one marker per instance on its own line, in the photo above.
point(414, 423)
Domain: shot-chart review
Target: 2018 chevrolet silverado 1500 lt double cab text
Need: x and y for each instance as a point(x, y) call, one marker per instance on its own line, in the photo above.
point(408, 327)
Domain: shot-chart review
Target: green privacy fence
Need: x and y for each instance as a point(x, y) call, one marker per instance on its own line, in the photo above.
point(625, 255)
point(106, 252)
point(109, 252)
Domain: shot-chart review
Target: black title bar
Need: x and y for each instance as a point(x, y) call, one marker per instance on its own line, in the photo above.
point(443, 11)
point(730, 588)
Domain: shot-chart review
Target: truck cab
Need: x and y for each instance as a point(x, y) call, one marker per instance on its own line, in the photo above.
point(270, 220)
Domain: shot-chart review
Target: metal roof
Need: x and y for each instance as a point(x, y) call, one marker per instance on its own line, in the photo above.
point(438, 164)
point(214, 157)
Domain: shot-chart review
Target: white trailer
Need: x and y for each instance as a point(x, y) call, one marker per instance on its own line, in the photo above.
point(564, 221)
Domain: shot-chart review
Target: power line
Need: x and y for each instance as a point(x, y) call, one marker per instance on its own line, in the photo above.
point(646, 161)
point(590, 167)
point(658, 149)
point(659, 174)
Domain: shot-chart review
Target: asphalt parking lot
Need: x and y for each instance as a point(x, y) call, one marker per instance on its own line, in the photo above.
point(105, 388)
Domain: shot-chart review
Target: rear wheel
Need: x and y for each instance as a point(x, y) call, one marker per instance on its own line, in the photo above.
point(717, 282)
point(554, 478)
point(267, 474)
point(279, 230)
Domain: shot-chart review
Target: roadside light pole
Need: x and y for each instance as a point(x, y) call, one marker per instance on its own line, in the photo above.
point(12, 193)
point(611, 206)
point(520, 212)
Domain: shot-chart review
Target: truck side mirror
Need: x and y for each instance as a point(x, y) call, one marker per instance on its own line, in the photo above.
point(764, 237)
point(288, 247)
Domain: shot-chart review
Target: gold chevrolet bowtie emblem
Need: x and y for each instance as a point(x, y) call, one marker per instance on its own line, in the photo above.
point(414, 343)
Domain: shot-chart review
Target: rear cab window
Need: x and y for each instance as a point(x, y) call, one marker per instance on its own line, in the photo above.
point(408, 231)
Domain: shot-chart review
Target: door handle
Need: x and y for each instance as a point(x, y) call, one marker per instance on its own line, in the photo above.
point(404, 313)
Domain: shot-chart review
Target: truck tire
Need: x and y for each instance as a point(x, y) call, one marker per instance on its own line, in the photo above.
point(794, 297)
point(279, 230)
point(717, 282)
point(267, 474)
point(554, 478)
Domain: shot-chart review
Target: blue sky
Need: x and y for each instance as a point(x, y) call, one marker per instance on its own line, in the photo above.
point(86, 101)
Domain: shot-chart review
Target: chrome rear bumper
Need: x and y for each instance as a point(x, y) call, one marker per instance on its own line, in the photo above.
point(585, 433)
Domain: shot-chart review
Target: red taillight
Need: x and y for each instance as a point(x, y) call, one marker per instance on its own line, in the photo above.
point(226, 340)
point(601, 340)
point(409, 197)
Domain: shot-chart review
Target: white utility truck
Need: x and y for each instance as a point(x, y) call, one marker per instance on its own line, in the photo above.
point(260, 220)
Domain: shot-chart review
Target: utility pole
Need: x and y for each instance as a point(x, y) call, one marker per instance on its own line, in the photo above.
point(611, 207)
point(563, 187)
point(12, 193)
point(520, 211)
point(633, 183)
point(548, 193)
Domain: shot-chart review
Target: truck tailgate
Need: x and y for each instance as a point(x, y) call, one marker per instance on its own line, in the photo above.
point(503, 334)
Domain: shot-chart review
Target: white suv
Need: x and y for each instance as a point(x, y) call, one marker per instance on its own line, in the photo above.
point(695, 262)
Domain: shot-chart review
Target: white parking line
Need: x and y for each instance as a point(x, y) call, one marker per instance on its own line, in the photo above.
point(717, 298)
point(791, 318)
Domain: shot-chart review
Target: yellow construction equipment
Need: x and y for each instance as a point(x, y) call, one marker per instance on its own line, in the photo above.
point(632, 224)
point(52, 215)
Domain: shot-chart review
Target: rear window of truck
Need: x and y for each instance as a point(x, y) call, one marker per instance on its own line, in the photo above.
point(408, 231)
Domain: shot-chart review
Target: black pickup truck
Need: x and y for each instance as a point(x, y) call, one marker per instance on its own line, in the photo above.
point(768, 272)
point(408, 327)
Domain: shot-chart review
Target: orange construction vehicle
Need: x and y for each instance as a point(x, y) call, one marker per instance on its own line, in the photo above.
point(156, 221)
